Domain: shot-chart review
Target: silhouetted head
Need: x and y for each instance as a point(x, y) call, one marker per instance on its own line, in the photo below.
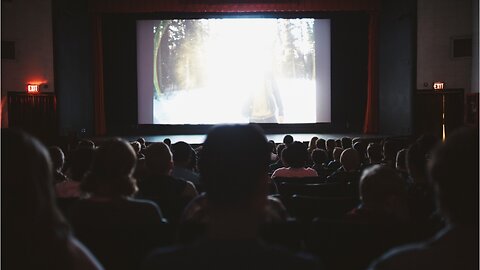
point(382, 187)
point(234, 176)
point(280, 148)
point(428, 142)
point(454, 173)
point(271, 145)
point(84, 143)
point(137, 147)
point(142, 142)
point(295, 155)
point(321, 144)
point(313, 143)
point(337, 152)
point(182, 153)
point(374, 152)
point(400, 161)
point(167, 141)
point(416, 162)
point(350, 159)
point(158, 158)
point(390, 149)
point(287, 140)
point(330, 145)
point(361, 148)
point(319, 156)
point(338, 143)
point(57, 157)
point(111, 172)
point(35, 233)
point(80, 162)
point(346, 142)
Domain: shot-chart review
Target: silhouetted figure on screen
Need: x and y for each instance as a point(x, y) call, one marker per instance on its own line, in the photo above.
point(264, 104)
point(453, 172)
point(236, 192)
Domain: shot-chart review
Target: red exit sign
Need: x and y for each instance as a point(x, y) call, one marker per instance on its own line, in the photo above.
point(438, 85)
point(33, 88)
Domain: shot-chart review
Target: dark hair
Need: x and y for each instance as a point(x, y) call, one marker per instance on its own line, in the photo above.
point(400, 160)
point(379, 182)
point(167, 141)
point(320, 143)
point(330, 145)
point(288, 139)
point(280, 148)
point(350, 159)
point(181, 151)
point(232, 176)
point(158, 158)
point(428, 142)
point(374, 151)
point(346, 142)
point(57, 157)
point(416, 161)
point(454, 171)
point(390, 149)
point(34, 232)
point(271, 145)
point(295, 155)
point(361, 148)
point(111, 171)
point(319, 156)
point(80, 162)
point(84, 143)
point(338, 143)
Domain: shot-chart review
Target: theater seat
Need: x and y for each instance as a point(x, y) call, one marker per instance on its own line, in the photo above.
point(305, 208)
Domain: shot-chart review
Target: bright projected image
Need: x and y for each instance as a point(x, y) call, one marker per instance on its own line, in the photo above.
point(233, 70)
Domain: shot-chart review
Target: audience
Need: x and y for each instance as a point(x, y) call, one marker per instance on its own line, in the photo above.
point(401, 164)
point(170, 193)
point(335, 163)
point(273, 156)
point(34, 233)
point(287, 140)
point(361, 148)
point(236, 203)
point(58, 159)
point(168, 142)
point(80, 161)
point(374, 153)
point(329, 146)
point(454, 174)
point(346, 142)
point(279, 163)
point(98, 193)
point(182, 155)
point(294, 157)
point(390, 149)
point(383, 197)
point(312, 145)
point(319, 158)
point(420, 192)
point(321, 144)
point(110, 187)
point(349, 170)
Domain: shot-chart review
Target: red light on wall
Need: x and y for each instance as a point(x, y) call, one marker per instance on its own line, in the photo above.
point(438, 85)
point(33, 88)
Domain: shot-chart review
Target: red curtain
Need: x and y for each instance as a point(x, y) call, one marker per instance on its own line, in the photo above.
point(97, 7)
point(371, 110)
point(99, 104)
